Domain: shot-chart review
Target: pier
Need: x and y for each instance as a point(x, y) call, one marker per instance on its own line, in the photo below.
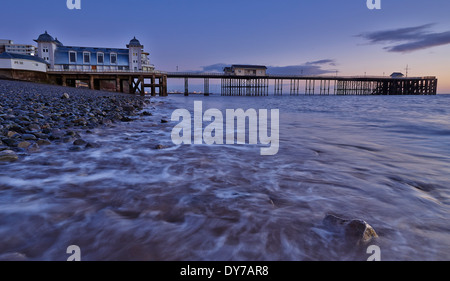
point(232, 85)
point(131, 82)
point(156, 83)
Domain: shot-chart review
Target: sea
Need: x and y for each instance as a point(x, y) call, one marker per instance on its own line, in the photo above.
point(381, 159)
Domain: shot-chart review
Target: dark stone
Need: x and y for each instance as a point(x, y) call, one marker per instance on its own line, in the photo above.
point(128, 108)
point(10, 142)
point(164, 121)
point(25, 118)
point(126, 119)
point(34, 127)
point(33, 148)
point(92, 145)
point(17, 129)
point(159, 146)
point(28, 137)
point(353, 231)
point(41, 135)
point(47, 131)
point(79, 142)
point(24, 144)
point(43, 142)
point(75, 148)
point(146, 113)
point(67, 139)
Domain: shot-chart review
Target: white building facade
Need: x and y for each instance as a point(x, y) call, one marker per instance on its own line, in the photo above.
point(74, 58)
point(22, 62)
point(8, 46)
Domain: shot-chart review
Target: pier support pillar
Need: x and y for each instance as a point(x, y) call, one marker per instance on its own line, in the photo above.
point(206, 87)
point(186, 86)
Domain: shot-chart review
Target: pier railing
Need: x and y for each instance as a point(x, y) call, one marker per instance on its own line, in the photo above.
point(108, 71)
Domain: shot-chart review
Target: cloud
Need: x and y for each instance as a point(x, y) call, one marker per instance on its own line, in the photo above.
point(408, 39)
point(218, 67)
point(304, 69)
point(326, 61)
point(428, 41)
point(309, 68)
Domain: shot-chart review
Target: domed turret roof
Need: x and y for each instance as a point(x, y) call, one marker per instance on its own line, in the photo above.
point(134, 43)
point(45, 37)
point(58, 43)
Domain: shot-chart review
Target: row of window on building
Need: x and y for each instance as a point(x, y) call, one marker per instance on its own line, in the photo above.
point(87, 58)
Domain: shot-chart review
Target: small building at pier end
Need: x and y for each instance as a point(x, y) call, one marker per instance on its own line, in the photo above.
point(61, 57)
point(245, 70)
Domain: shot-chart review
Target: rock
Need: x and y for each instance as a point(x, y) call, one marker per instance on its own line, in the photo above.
point(47, 131)
point(164, 121)
point(73, 134)
point(128, 108)
point(159, 146)
point(23, 144)
point(41, 135)
point(361, 231)
point(92, 145)
point(126, 119)
point(67, 139)
point(29, 137)
point(8, 156)
point(43, 142)
point(34, 127)
point(75, 148)
point(79, 142)
point(146, 113)
point(353, 231)
point(10, 142)
point(17, 129)
point(65, 96)
point(12, 134)
point(25, 118)
point(33, 148)
point(80, 121)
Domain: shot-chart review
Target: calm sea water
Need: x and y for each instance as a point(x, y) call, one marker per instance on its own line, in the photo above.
point(385, 160)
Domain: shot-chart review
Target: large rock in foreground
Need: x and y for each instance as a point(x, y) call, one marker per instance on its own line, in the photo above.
point(8, 156)
point(353, 231)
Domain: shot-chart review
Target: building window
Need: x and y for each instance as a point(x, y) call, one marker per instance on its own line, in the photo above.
point(100, 58)
point(87, 57)
point(113, 58)
point(72, 57)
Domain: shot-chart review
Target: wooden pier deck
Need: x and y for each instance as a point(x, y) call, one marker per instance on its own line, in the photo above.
point(233, 85)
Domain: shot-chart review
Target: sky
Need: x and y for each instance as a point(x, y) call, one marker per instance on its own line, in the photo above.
point(289, 36)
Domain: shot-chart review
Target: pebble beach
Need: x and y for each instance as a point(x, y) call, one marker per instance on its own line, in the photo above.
point(35, 115)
